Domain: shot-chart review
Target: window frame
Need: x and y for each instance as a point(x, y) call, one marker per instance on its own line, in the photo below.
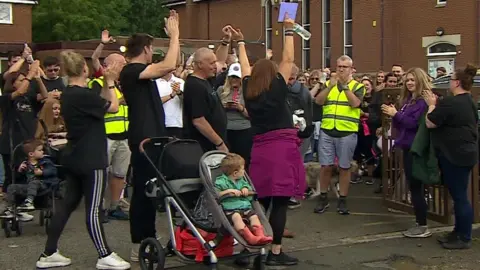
point(10, 7)
point(268, 25)
point(441, 2)
point(345, 34)
point(429, 54)
point(326, 24)
point(305, 43)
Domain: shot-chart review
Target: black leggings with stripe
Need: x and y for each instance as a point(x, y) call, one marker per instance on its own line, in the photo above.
point(91, 186)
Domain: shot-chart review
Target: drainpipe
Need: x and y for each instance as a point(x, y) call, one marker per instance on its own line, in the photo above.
point(208, 20)
point(478, 31)
point(382, 30)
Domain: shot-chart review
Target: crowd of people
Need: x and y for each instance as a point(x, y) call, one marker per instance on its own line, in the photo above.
point(272, 115)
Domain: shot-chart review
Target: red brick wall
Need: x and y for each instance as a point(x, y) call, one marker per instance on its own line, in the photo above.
point(21, 29)
point(405, 23)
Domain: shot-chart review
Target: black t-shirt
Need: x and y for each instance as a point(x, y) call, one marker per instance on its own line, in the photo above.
point(20, 115)
point(2, 81)
point(456, 134)
point(55, 84)
point(270, 110)
point(145, 109)
point(83, 112)
point(201, 100)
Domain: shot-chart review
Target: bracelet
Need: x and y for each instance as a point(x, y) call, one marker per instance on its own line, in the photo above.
point(111, 87)
point(225, 43)
point(171, 95)
point(289, 34)
point(218, 145)
point(241, 42)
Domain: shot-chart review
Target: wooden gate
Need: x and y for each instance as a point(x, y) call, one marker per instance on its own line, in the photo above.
point(395, 188)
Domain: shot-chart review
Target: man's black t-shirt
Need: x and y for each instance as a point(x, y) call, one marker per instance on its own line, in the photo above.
point(270, 110)
point(50, 84)
point(19, 115)
point(201, 100)
point(83, 112)
point(456, 134)
point(145, 109)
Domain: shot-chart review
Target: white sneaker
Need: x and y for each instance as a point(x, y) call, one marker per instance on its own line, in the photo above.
point(24, 217)
point(54, 260)
point(113, 262)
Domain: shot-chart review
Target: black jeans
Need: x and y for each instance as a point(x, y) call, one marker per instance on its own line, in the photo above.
point(142, 208)
point(8, 171)
point(240, 142)
point(278, 215)
point(456, 179)
point(91, 186)
point(417, 190)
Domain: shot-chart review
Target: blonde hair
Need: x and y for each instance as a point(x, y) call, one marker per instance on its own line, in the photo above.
point(46, 115)
point(422, 83)
point(72, 63)
point(231, 163)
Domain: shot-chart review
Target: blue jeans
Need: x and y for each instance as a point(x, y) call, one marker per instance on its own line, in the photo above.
point(2, 172)
point(456, 179)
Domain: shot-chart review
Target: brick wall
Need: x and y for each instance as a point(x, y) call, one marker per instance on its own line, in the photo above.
point(21, 29)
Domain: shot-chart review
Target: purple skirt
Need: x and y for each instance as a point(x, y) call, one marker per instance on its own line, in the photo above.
point(276, 165)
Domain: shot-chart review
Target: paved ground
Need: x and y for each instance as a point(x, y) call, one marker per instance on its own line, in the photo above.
point(367, 239)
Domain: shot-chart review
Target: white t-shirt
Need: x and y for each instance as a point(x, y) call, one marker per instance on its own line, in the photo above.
point(174, 107)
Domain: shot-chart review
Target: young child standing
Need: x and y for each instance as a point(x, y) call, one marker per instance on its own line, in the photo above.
point(40, 174)
point(239, 208)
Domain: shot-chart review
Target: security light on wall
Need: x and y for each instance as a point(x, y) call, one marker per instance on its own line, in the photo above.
point(440, 31)
point(211, 46)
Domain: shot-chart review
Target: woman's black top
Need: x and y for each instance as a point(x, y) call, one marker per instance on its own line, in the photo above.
point(83, 112)
point(456, 134)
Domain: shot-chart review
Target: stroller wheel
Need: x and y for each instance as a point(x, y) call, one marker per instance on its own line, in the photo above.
point(6, 227)
point(42, 218)
point(151, 253)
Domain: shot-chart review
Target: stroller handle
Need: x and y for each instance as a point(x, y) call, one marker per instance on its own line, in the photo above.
point(230, 195)
point(141, 147)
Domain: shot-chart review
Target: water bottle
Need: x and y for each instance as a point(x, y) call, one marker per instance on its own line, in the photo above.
point(302, 32)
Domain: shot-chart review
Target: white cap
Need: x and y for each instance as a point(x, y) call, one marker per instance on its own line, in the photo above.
point(235, 70)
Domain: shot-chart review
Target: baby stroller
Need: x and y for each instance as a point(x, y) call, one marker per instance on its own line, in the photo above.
point(191, 193)
point(44, 201)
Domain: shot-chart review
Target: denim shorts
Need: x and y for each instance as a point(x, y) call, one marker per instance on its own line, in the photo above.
point(330, 147)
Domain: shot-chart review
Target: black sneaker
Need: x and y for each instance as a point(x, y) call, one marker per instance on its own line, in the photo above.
point(356, 179)
point(309, 193)
point(447, 237)
point(457, 243)
point(280, 259)
point(322, 205)
point(293, 203)
point(370, 181)
point(342, 207)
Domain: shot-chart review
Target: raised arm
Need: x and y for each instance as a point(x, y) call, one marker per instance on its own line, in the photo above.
point(105, 39)
point(168, 64)
point(285, 67)
point(222, 50)
point(242, 53)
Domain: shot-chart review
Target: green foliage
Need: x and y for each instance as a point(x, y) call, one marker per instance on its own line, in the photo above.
point(61, 20)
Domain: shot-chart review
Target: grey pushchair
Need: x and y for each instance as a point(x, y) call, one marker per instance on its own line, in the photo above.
point(192, 204)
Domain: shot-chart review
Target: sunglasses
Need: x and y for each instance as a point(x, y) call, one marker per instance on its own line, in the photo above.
point(314, 79)
point(53, 70)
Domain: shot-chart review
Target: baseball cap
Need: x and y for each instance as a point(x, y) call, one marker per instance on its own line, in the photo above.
point(235, 70)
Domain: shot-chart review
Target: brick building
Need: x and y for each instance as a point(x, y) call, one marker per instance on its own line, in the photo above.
point(376, 33)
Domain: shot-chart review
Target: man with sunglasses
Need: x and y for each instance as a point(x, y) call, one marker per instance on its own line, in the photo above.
point(52, 80)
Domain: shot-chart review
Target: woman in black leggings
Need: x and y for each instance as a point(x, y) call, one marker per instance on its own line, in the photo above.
point(276, 165)
point(85, 160)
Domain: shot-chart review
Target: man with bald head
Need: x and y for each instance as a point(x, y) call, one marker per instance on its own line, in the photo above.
point(116, 127)
point(206, 120)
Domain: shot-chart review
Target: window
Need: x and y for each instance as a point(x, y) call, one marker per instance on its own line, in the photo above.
point(6, 13)
point(442, 49)
point(268, 24)
point(441, 2)
point(326, 53)
point(306, 43)
point(347, 28)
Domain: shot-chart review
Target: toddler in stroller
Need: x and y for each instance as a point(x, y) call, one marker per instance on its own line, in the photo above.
point(37, 177)
point(239, 207)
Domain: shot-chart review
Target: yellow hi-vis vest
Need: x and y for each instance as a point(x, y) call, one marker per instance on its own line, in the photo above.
point(337, 112)
point(115, 123)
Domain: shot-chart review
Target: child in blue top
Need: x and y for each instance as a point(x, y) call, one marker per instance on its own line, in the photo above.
point(239, 208)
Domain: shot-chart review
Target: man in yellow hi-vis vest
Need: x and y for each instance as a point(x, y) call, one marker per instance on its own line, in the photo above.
point(116, 127)
point(338, 135)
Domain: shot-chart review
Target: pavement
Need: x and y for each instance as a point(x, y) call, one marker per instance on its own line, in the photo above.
point(369, 238)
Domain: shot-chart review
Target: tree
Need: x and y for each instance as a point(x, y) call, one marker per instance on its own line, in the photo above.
point(57, 20)
point(146, 16)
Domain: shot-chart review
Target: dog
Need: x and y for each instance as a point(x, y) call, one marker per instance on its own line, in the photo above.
point(312, 172)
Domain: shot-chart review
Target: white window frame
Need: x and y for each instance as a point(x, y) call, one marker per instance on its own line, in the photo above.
point(268, 20)
point(440, 54)
point(11, 14)
point(305, 43)
point(324, 36)
point(1, 60)
point(176, 3)
point(345, 22)
point(441, 2)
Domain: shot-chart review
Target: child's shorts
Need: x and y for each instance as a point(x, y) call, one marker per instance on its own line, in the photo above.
point(246, 214)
